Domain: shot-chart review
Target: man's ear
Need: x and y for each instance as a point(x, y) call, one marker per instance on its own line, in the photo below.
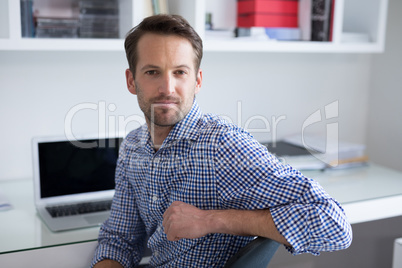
point(130, 82)
point(198, 81)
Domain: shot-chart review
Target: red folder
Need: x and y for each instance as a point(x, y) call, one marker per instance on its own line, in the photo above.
point(267, 13)
point(268, 6)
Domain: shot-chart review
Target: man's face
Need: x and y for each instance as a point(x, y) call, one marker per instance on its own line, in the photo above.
point(165, 80)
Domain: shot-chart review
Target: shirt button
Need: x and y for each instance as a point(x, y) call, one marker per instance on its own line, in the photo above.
point(154, 198)
point(156, 253)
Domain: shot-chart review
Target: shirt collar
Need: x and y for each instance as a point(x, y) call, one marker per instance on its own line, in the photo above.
point(187, 128)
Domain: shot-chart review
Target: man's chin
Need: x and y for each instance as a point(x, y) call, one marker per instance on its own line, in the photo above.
point(165, 121)
point(167, 117)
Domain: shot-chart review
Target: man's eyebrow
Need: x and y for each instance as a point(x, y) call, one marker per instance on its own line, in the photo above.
point(183, 66)
point(149, 66)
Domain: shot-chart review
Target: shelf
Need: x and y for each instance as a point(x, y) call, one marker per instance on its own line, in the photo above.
point(353, 19)
point(209, 46)
point(283, 46)
point(366, 18)
point(51, 44)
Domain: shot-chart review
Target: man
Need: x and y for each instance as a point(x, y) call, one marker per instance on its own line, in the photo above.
point(199, 187)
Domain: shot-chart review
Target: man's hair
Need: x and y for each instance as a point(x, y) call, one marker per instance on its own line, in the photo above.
point(164, 25)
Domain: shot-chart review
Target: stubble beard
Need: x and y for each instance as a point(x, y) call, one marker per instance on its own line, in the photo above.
point(159, 116)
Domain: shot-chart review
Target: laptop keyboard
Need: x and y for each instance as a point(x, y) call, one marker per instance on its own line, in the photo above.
point(81, 208)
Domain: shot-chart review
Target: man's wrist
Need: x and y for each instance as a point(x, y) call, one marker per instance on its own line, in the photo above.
point(106, 263)
point(230, 221)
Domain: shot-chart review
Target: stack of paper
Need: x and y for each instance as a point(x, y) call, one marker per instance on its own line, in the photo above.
point(315, 152)
point(334, 153)
point(297, 156)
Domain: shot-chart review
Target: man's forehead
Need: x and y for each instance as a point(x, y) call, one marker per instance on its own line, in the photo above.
point(152, 46)
point(155, 39)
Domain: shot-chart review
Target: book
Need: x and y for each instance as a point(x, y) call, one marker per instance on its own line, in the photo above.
point(57, 32)
point(331, 23)
point(267, 20)
point(321, 20)
point(56, 22)
point(47, 27)
point(155, 7)
point(148, 9)
point(284, 34)
point(254, 33)
point(334, 153)
point(27, 19)
point(305, 19)
point(219, 34)
point(268, 13)
point(163, 7)
point(267, 6)
point(278, 33)
point(99, 19)
point(159, 7)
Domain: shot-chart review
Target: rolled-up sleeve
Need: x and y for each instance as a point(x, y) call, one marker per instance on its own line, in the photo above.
point(121, 237)
point(249, 177)
point(313, 227)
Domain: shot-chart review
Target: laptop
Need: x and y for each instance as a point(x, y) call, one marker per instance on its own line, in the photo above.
point(74, 180)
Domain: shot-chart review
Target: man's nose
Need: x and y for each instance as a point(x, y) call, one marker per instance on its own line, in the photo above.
point(167, 85)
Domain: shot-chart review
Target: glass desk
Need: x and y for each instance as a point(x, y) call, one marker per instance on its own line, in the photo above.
point(366, 193)
point(359, 190)
point(359, 184)
point(21, 227)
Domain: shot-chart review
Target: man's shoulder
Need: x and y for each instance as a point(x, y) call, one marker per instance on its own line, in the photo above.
point(219, 125)
point(215, 122)
point(136, 136)
point(138, 132)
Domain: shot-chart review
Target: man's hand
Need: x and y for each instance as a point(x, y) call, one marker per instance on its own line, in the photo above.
point(182, 220)
point(108, 264)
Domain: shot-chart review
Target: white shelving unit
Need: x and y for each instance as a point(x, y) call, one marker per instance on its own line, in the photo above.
point(359, 18)
point(352, 19)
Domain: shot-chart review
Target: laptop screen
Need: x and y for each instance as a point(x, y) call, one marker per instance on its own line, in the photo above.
point(77, 167)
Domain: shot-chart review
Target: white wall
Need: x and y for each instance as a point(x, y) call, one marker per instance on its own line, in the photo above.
point(38, 90)
point(385, 106)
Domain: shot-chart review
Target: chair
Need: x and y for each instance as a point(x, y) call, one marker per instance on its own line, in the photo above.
point(256, 254)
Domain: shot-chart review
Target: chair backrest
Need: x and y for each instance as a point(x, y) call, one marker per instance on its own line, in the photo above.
point(256, 254)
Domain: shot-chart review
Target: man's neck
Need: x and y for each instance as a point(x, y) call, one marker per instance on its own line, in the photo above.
point(158, 134)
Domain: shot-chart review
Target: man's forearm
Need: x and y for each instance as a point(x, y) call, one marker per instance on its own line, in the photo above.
point(182, 220)
point(245, 223)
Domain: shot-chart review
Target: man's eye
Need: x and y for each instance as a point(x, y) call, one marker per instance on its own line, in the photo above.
point(151, 72)
point(180, 72)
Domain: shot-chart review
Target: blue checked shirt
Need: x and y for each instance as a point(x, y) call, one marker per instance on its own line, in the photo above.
point(211, 164)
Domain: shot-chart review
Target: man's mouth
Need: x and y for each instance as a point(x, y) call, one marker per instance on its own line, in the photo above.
point(165, 103)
